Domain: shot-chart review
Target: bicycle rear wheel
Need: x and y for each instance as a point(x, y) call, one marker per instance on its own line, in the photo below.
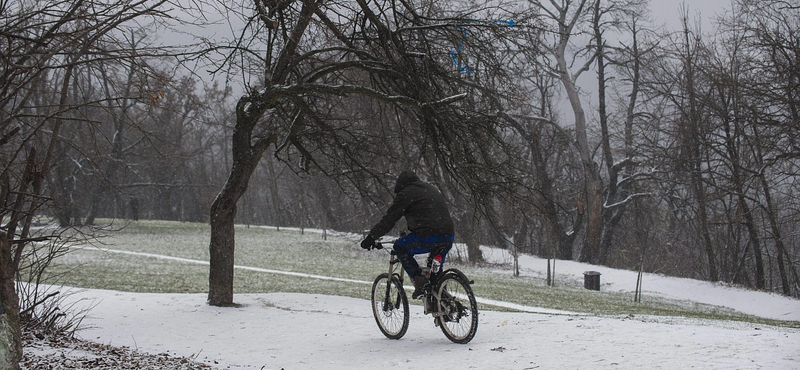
point(390, 306)
point(458, 316)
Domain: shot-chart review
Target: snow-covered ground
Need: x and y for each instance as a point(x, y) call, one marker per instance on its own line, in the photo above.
point(768, 305)
point(298, 331)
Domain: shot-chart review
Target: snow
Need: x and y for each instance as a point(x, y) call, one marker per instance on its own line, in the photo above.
point(297, 331)
point(762, 304)
point(300, 331)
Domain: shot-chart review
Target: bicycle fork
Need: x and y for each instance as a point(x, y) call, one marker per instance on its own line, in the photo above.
point(387, 302)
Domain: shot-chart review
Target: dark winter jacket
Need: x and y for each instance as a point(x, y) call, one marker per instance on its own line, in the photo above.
point(422, 205)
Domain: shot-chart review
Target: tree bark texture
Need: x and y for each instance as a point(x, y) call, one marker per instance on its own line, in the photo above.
point(10, 334)
point(593, 189)
point(223, 213)
point(246, 155)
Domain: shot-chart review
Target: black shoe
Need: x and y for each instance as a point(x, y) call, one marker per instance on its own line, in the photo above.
point(420, 283)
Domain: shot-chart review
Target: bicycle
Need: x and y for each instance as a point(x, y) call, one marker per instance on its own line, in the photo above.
point(448, 298)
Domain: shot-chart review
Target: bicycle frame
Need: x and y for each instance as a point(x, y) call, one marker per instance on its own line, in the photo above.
point(431, 298)
point(447, 297)
point(430, 306)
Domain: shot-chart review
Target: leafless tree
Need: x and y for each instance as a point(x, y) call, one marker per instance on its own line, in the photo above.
point(567, 20)
point(45, 45)
point(620, 187)
point(342, 84)
point(722, 132)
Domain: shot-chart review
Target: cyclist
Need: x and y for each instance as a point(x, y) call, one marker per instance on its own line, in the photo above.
point(428, 219)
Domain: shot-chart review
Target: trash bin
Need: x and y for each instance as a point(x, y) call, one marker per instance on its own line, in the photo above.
point(591, 280)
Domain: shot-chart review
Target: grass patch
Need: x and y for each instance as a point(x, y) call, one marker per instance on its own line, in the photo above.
point(340, 257)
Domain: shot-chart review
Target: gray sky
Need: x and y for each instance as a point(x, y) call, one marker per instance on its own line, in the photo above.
point(668, 12)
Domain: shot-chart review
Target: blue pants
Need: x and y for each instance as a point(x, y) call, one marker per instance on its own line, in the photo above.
point(411, 244)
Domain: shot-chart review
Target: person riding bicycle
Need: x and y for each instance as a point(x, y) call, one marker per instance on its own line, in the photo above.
point(428, 218)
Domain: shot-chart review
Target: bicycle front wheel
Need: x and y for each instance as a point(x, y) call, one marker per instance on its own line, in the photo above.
point(458, 311)
point(390, 306)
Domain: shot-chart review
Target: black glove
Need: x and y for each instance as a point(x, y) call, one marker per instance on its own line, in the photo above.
point(368, 242)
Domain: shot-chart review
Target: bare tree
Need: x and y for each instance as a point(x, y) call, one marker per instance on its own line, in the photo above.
point(319, 60)
point(44, 44)
point(565, 21)
point(720, 119)
point(762, 104)
point(622, 174)
point(677, 79)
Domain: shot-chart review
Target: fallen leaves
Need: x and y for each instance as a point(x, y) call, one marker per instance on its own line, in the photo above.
point(48, 352)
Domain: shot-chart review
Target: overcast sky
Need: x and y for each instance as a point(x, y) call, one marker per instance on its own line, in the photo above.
point(669, 12)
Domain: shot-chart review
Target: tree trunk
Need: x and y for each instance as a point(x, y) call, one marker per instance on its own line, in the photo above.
point(702, 215)
point(10, 334)
point(744, 211)
point(554, 228)
point(221, 247)
point(472, 239)
point(223, 211)
point(616, 191)
point(593, 189)
point(474, 253)
point(223, 214)
point(273, 193)
point(772, 216)
point(753, 235)
point(594, 214)
point(693, 141)
point(246, 155)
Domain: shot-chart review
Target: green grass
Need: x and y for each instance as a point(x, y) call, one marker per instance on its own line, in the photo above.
point(255, 247)
point(288, 250)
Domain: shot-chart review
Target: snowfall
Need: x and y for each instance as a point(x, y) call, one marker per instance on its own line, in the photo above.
point(301, 331)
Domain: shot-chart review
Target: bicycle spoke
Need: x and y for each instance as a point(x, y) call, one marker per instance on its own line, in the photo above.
point(458, 319)
point(390, 306)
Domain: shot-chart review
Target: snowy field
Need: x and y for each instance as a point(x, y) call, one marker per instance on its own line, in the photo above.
point(297, 331)
point(767, 305)
point(300, 331)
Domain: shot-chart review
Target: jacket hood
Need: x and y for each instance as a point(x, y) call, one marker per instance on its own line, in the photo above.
point(405, 179)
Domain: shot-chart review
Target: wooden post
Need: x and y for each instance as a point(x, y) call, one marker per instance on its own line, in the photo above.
point(548, 272)
point(551, 272)
point(637, 296)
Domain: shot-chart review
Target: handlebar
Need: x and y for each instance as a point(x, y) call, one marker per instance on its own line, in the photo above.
point(378, 244)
